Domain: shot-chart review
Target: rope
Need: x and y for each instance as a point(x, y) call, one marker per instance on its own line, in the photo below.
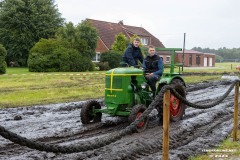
point(203, 106)
point(97, 143)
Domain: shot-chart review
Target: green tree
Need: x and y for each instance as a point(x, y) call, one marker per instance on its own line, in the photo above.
point(3, 64)
point(225, 54)
point(218, 58)
point(25, 22)
point(83, 37)
point(89, 37)
point(120, 43)
point(69, 33)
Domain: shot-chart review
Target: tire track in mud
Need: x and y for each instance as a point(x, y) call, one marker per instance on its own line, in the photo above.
point(199, 127)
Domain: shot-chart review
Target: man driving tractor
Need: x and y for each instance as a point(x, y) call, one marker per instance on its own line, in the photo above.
point(153, 67)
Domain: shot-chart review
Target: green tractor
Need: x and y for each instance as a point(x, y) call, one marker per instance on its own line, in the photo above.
point(127, 94)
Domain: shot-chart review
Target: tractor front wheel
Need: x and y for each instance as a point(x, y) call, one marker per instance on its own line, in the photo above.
point(87, 113)
point(135, 114)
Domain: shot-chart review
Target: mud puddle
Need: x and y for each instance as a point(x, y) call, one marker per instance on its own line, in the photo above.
point(60, 124)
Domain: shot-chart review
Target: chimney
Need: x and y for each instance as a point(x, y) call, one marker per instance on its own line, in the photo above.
point(120, 22)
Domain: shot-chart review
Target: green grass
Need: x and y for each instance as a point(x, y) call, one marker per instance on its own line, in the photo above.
point(14, 70)
point(44, 88)
point(219, 67)
point(197, 79)
point(23, 88)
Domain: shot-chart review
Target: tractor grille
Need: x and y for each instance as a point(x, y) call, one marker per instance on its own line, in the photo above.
point(116, 83)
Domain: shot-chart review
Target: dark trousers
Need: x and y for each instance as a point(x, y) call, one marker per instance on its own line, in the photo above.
point(152, 82)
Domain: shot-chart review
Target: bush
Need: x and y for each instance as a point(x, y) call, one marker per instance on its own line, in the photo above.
point(55, 56)
point(3, 64)
point(112, 57)
point(80, 63)
point(103, 66)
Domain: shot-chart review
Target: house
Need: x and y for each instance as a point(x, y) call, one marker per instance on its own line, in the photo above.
point(108, 30)
point(196, 59)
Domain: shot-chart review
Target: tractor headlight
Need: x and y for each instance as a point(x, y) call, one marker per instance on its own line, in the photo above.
point(144, 85)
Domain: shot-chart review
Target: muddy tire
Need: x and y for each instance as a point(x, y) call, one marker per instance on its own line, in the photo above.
point(177, 108)
point(87, 115)
point(135, 114)
point(176, 112)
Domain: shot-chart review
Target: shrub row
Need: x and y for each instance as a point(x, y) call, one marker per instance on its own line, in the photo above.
point(109, 60)
point(51, 55)
point(3, 64)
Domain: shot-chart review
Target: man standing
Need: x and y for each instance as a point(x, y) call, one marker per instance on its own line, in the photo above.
point(154, 66)
point(133, 53)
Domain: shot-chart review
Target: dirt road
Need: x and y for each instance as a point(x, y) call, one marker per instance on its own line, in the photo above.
point(60, 124)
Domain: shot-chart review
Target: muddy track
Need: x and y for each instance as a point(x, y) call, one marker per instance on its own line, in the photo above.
point(60, 124)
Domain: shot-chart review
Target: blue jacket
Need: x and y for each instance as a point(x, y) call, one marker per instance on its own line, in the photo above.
point(157, 67)
point(132, 55)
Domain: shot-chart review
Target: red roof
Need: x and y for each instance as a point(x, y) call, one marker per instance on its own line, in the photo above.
point(190, 52)
point(108, 30)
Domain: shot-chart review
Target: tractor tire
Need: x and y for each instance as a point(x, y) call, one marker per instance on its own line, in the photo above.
point(177, 108)
point(137, 110)
point(176, 112)
point(87, 115)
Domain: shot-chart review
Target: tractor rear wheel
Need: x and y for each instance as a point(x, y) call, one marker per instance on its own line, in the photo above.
point(177, 108)
point(137, 110)
point(87, 113)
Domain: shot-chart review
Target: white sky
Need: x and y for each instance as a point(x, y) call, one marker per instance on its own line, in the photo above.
point(207, 23)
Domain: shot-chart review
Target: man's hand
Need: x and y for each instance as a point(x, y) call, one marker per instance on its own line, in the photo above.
point(149, 74)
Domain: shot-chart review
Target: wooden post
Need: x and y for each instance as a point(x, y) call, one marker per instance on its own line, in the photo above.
point(235, 128)
point(166, 118)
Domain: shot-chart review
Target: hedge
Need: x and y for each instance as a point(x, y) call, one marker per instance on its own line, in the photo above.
point(50, 55)
point(3, 64)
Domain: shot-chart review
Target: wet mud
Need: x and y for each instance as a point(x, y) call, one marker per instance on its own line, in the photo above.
point(60, 124)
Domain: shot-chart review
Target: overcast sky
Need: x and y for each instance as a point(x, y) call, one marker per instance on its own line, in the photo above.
point(207, 23)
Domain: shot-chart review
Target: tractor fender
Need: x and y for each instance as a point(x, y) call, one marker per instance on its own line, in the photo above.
point(167, 80)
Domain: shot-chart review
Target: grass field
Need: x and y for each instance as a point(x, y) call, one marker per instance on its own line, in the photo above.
point(19, 87)
point(23, 88)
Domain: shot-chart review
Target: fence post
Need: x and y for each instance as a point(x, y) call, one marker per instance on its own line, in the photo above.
point(235, 128)
point(166, 118)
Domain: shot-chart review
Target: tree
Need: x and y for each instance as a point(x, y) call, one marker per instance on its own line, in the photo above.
point(3, 64)
point(223, 53)
point(69, 33)
point(25, 22)
point(120, 43)
point(83, 37)
point(218, 58)
point(89, 36)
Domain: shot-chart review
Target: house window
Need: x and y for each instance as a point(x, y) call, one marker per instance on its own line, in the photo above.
point(96, 58)
point(168, 59)
point(190, 60)
point(198, 60)
point(144, 41)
